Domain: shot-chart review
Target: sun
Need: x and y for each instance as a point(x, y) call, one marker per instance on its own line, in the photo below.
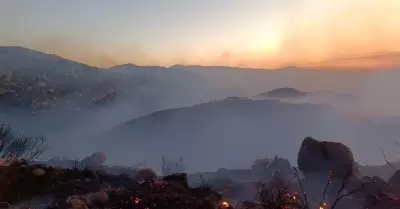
point(265, 41)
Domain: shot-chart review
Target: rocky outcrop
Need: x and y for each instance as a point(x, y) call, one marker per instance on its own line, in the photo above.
point(78, 189)
point(95, 160)
point(322, 156)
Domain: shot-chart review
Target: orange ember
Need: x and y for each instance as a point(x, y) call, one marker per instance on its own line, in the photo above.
point(323, 205)
point(136, 200)
point(225, 204)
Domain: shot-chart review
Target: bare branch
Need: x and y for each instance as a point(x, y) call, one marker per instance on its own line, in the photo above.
point(19, 147)
point(303, 200)
point(384, 157)
point(351, 193)
point(327, 186)
point(344, 183)
point(398, 143)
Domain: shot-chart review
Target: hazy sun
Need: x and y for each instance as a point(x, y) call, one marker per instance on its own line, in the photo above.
point(265, 43)
point(264, 35)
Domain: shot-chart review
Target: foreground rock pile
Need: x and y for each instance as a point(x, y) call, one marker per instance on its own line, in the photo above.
point(41, 186)
point(327, 178)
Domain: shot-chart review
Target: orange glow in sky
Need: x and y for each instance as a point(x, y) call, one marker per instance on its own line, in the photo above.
point(336, 34)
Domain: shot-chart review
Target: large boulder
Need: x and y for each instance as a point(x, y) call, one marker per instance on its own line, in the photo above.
point(322, 156)
point(76, 204)
point(96, 200)
point(95, 160)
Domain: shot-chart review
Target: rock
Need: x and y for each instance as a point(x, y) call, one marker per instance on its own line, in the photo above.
point(38, 172)
point(95, 160)
point(77, 204)
point(180, 178)
point(97, 199)
point(320, 156)
point(145, 175)
point(395, 179)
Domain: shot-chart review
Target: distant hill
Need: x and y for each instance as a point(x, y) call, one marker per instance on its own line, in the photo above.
point(31, 79)
point(229, 126)
point(49, 95)
point(255, 128)
point(284, 93)
point(39, 81)
point(384, 171)
point(259, 109)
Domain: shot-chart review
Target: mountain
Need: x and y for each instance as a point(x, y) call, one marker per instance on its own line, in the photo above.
point(32, 79)
point(218, 112)
point(65, 100)
point(246, 82)
point(39, 81)
point(69, 102)
point(222, 129)
point(232, 132)
point(285, 92)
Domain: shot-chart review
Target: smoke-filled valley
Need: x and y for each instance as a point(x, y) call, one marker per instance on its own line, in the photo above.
point(212, 117)
point(185, 108)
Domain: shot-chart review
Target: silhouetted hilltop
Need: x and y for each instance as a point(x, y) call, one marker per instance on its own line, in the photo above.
point(284, 93)
point(218, 110)
point(37, 81)
point(31, 79)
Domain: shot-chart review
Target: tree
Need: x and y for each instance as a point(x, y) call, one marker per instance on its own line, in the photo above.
point(19, 147)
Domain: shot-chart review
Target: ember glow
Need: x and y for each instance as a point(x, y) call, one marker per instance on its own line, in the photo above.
point(3, 162)
point(135, 200)
point(225, 204)
point(323, 205)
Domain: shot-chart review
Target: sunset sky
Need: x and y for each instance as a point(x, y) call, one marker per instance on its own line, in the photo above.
point(245, 33)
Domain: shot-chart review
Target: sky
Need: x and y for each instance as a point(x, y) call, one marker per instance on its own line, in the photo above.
point(340, 34)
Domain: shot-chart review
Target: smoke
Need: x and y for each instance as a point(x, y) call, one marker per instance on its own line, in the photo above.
point(377, 94)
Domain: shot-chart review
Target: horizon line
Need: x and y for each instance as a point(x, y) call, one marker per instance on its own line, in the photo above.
point(287, 67)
